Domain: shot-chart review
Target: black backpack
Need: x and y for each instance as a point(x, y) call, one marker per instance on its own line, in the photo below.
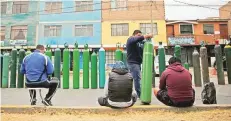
point(208, 94)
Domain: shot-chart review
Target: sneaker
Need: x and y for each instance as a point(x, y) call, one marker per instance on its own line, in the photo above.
point(33, 102)
point(47, 102)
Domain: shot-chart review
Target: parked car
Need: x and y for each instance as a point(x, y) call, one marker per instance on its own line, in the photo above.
point(224, 64)
point(167, 57)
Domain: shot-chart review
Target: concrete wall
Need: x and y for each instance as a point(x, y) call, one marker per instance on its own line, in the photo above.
point(30, 19)
point(68, 19)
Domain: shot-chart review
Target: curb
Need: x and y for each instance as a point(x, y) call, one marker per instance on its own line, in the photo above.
point(27, 109)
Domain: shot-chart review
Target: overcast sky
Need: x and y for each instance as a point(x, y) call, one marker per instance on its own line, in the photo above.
point(191, 12)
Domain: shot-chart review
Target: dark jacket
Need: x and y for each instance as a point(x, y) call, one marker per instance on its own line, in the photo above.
point(178, 82)
point(135, 49)
point(120, 84)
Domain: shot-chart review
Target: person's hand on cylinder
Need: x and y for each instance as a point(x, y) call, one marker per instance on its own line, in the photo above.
point(148, 36)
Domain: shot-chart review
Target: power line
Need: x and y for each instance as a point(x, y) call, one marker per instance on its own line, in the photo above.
point(63, 8)
point(114, 1)
point(185, 4)
point(196, 5)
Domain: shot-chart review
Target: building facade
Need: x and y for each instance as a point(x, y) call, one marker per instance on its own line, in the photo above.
point(69, 22)
point(19, 21)
point(121, 17)
point(224, 12)
point(195, 32)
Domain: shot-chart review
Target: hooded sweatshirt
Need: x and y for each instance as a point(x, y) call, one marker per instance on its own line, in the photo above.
point(119, 71)
point(178, 82)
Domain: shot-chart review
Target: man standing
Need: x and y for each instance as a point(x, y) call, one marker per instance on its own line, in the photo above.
point(175, 87)
point(37, 66)
point(134, 56)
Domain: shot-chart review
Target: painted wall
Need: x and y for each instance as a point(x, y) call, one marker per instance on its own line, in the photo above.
point(198, 32)
point(30, 19)
point(67, 35)
point(109, 40)
point(68, 19)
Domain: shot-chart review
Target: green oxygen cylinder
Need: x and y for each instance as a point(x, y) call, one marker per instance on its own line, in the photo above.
point(177, 51)
point(5, 70)
point(13, 68)
point(76, 67)
point(125, 56)
point(228, 61)
point(94, 77)
point(28, 51)
point(57, 63)
point(102, 67)
point(118, 53)
point(161, 53)
point(66, 60)
point(21, 56)
point(86, 67)
point(219, 63)
point(1, 56)
point(146, 81)
point(48, 52)
point(186, 65)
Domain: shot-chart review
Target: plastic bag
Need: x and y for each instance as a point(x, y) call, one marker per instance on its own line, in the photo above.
point(208, 94)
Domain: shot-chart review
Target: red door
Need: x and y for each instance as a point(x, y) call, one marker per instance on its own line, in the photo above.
point(223, 31)
point(170, 30)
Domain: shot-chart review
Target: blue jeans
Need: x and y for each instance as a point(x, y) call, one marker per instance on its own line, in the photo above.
point(135, 70)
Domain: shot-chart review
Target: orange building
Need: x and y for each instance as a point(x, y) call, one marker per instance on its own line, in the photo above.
point(224, 12)
point(193, 32)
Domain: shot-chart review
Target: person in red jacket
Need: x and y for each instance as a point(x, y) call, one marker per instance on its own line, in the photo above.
point(175, 87)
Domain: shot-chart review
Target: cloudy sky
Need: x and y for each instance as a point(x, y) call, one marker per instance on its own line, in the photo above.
point(186, 12)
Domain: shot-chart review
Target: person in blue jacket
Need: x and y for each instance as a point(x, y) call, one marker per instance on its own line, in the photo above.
point(37, 66)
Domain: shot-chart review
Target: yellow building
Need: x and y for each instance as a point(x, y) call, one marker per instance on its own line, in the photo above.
point(119, 22)
point(109, 33)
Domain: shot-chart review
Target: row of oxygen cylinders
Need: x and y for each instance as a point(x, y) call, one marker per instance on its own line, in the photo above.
point(10, 61)
point(148, 73)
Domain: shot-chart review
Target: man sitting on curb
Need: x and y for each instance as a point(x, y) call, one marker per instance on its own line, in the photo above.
point(175, 87)
point(119, 91)
point(37, 66)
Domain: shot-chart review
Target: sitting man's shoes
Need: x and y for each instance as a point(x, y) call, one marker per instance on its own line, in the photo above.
point(47, 102)
point(33, 102)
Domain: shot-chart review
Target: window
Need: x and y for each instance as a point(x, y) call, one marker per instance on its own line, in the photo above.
point(2, 33)
point(18, 32)
point(82, 6)
point(20, 7)
point(208, 29)
point(186, 29)
point(119, 30)
point(53, 7)
point(147, 28)
point(84, 30)
point(110, 56)
point(119, 5)
point(3, 7)
point(52, 31)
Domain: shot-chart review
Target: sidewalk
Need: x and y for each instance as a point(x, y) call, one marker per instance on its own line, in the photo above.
point(88, 97)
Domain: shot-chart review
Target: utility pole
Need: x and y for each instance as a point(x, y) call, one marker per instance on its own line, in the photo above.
point(151, 20)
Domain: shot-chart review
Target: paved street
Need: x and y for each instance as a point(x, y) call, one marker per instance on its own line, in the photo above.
point(88, 97)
